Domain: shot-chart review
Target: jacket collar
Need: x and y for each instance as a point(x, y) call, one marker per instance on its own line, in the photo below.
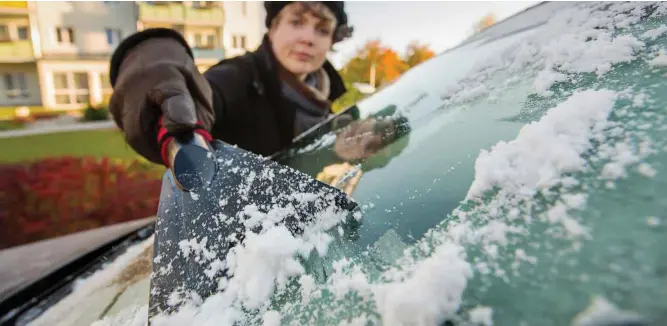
point(337, 87)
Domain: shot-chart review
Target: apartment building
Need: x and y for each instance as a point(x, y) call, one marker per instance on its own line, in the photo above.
point(19, 82)
point(244, 26)
point(200, 22)
point(76, 41)
point(56, 54)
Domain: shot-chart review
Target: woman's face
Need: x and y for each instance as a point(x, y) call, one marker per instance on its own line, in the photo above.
point(301, 39)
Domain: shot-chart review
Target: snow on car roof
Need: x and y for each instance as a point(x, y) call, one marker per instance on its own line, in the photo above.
point(94, 296)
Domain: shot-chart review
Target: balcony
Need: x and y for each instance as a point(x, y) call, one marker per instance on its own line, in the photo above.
point(217, 54)
point(167, 13)
point(14, 7)
point(177, 13)
point(16, 51)
point(204, 16)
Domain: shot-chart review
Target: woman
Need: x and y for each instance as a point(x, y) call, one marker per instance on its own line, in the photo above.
point(259, 101)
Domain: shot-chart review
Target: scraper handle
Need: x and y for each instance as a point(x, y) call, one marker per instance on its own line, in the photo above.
point(191, 161)
point(188, 155)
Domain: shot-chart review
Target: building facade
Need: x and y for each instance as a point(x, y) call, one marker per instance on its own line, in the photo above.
point(56, 54)
point(244, 26)
point(18, 55)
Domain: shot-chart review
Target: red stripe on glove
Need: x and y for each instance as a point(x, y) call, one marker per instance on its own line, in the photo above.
point(164, 142)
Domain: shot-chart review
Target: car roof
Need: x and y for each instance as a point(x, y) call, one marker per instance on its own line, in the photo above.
point(47, 256)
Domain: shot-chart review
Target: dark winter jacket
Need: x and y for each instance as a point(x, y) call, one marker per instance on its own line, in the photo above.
point(247, 105)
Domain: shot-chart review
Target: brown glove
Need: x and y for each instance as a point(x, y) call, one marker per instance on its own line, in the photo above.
point(153, 75)
point(361, 139)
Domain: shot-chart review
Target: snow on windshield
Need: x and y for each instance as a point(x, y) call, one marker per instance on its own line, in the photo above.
point(430, 279)
point(68, 311)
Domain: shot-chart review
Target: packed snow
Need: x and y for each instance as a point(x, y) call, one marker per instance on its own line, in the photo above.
point(602, 313)
point(130, 316)
point(646, 170)
point(653, 221)
point(545, 79)
point(482, 316)
point(659, 61)
point(655, 33)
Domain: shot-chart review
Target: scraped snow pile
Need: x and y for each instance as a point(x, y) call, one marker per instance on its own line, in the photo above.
point(543, 160)
point(546, 150)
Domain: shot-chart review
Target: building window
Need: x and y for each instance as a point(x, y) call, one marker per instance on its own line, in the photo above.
point(105, 82)
point(198, 40)
point(107, 90)
point(239, 42)
point(16, 85)
point(244, 8)
point(14, 33)
point(4, 33)
point(204, 41)
point(201, 4)
point(65, 35)
point(113, 35)
point(23, 32)
point(71, 88)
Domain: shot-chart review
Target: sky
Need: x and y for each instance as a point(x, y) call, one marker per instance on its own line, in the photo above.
point(440, 24)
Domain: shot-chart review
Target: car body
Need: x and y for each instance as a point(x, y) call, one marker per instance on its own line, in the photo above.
point(525, 187)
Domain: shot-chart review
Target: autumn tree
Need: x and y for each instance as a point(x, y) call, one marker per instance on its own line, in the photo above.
point(484, 23)
point(374, 64)
point(377, 65)
point(417, 53)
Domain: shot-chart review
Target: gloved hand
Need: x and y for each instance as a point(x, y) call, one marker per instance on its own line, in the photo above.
point(157, 79)
point(361, 139)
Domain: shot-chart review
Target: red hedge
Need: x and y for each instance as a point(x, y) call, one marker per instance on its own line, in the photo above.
point(58, 196)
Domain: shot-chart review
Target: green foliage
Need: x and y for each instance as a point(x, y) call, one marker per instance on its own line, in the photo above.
point(11, 125)
point(92, 113)
point(348, 99)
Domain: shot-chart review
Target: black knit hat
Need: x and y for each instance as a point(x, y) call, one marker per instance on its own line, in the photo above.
point(342, 32)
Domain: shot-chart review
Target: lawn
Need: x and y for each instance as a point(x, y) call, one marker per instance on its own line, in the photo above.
point(52, 198)
point(97, 143)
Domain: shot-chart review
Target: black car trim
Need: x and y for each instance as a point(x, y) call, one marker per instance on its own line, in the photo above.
point(36, 294)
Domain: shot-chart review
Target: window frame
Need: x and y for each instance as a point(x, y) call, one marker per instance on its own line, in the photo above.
point(113, 35)
point(19, 85)
point(7, 35)
point(65, 35)
point(71, 89)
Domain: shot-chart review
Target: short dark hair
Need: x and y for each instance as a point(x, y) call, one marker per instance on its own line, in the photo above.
point(315, 8)
point(337, 8)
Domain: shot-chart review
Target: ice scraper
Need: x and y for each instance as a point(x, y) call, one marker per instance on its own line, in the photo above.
point(208, 196)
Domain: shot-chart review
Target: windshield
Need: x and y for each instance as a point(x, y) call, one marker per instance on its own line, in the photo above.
point(429, 143)
point(572, 139)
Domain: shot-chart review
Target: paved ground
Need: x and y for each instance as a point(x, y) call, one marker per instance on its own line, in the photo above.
point(58, 128)
point(22, 265)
